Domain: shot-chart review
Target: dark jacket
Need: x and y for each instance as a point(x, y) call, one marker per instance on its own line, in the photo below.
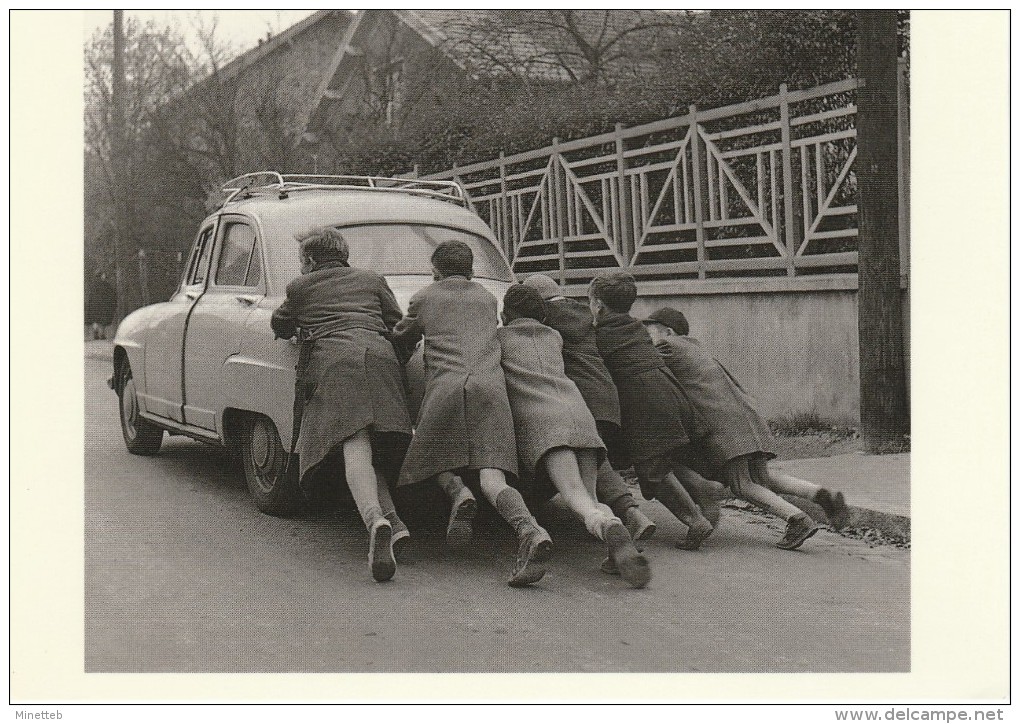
point(733, 426)
point(581, 359)
point(335, 297)
point(653, 410)
point(465, 419)
point(353, 380)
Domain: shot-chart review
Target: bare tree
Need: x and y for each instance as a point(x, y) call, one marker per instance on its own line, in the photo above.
point(119, 111)
point(560, 45)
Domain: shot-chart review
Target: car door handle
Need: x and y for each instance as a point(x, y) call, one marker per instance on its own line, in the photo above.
point(191, 295)
point(247, 301)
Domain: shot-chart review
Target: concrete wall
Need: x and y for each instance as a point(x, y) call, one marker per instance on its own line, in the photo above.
point(792, 343)
point(792, 347)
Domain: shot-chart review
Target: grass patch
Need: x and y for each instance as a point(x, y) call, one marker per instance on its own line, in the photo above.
point(811, 423)
point(891, 447)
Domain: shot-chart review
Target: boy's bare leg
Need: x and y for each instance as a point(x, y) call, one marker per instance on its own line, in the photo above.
point(655, 474)
point(611, 489)
point(564, 471)
point(678, 501)
point(799, 525)
point(535, 545)
point(364, 485)
point(463, 508)
point(783, 483)
point(573, 473)
point(705, 493)
point(833, 504)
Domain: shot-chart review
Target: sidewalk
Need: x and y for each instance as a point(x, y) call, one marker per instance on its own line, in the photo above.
point(876, 487)
point(101, 349)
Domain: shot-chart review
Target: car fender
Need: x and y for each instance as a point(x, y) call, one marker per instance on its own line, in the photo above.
point(131, 335)
point(260, 377)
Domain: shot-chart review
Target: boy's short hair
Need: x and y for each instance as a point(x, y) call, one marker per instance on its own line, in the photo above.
point(525, 301)
point(616, 290)
point(453, 258)
point(672, 318)
point(325, 245)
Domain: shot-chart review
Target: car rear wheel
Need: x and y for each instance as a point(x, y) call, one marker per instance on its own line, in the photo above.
point(140, 435)
point(273, 485)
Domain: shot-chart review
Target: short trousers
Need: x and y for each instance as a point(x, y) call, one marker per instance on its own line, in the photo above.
point(746, 468)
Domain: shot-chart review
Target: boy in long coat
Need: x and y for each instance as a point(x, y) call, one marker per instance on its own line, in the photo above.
point(352, 381)
point(465, 424)
point(558, 442)
point(653, 408)
point(737, 443)
point(585, 367)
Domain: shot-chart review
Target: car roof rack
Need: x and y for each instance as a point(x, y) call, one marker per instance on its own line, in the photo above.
point(260, 183)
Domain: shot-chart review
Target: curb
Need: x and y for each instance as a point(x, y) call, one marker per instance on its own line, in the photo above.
point(894, 527)
point(102, 353)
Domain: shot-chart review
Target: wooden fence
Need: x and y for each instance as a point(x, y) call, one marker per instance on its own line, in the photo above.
point(758, 189)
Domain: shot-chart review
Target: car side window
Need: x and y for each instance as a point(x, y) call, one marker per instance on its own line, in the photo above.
point(200, 257)
point(239, 264)
point(254, 276)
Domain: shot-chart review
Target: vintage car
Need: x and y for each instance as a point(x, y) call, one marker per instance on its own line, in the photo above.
point(205, 363)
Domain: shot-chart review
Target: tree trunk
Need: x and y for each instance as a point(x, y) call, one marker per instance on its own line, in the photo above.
point(118, 157)
point(885, 415)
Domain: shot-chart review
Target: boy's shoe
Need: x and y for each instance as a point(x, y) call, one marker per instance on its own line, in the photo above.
point(639, 525)
point(459, 530)
point(697, 532)
point(534, 549)
point(380, 551)
point(798, 529)
point(834, 507)
point(608, 567)
point(401, 542)
point(401, 535)
point(625, 556)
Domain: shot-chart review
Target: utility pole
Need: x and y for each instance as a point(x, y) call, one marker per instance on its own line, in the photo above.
point(118, 162)
point(885, 414)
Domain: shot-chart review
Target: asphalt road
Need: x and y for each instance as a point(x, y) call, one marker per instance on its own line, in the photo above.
point(183, 574)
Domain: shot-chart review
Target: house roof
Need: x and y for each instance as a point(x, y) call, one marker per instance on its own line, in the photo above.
point(530, 44)
point(538, 44)
point(264, 48)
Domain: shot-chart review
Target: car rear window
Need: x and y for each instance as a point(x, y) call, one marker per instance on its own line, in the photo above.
point(407, 249)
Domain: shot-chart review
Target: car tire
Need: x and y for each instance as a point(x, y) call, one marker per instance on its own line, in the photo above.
point(273, 484)
point(140, 436)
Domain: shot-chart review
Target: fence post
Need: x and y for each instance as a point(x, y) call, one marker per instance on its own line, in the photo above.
point(505, 233)
point(904, 168)
point(626, 224)
point(700, 190)
point(789, 219)
point(558, 211)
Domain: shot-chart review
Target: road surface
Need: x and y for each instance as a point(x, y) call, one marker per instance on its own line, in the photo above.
point(183, 574)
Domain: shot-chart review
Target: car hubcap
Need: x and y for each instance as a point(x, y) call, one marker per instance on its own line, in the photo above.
point(260, 446)
point(129, 408)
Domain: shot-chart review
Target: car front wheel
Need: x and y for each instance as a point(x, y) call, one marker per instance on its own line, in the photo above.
point(272, 483)
point(140, 435)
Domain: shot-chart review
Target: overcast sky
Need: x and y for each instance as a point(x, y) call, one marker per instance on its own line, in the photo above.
point(241, 28)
